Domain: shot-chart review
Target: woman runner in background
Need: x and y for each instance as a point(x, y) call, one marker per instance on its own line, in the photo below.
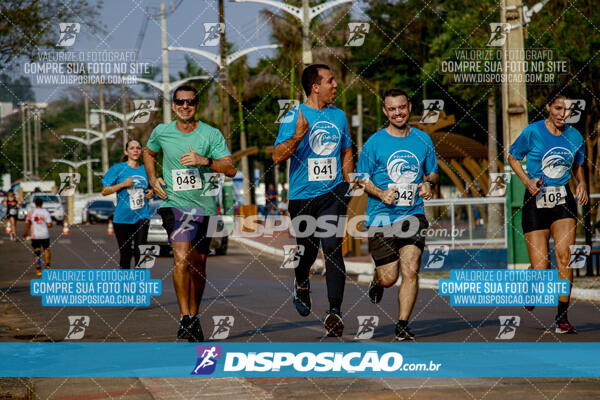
point(129, 180)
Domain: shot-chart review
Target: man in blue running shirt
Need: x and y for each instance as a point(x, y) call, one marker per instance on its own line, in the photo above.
point(400, 168)
point(315, 137)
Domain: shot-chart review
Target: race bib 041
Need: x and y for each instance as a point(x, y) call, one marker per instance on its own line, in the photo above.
point(186, 179)
point(550, 196)
point(322, 169)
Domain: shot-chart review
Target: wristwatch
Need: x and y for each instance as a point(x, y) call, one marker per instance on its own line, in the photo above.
point(431, 184)
point(210, 161)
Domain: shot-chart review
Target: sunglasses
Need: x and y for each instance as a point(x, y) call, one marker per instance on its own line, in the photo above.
point(190, 102)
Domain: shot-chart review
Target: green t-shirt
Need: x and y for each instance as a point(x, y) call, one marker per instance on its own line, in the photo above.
point(206, 141)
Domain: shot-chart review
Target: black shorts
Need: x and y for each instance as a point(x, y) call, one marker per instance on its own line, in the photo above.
point(535, 219)
point(384, 248)
point(40, 243)
point(192, 230)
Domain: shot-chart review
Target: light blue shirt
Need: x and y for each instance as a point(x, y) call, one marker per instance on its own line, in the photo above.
point(389, 160)
point(119, 173)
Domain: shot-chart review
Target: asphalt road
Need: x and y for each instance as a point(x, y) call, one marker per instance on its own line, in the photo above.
point(256, 292)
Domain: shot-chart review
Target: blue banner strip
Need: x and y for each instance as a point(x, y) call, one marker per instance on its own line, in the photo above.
point(366, 359)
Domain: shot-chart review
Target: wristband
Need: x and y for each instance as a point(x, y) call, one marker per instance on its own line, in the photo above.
point(210, 162)
point(431, 184)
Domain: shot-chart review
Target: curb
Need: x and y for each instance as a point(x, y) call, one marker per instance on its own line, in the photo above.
point(365, 271)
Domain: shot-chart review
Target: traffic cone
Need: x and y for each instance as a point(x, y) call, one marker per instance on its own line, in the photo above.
point(111, 228)
point(8, 230)
point(65, 228)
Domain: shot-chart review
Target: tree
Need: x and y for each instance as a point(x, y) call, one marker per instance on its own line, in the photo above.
point(28, 26)
point(16, 90)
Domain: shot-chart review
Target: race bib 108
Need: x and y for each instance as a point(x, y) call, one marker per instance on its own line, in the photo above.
point(550, 196)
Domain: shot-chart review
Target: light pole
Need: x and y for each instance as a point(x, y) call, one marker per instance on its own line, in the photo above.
point(305, 15)
point(98, 134)
point(73, 166)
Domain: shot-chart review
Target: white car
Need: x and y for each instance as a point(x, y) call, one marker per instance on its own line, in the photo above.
point(51, 203)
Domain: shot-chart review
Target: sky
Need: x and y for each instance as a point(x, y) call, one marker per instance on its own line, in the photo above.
point(123, 20)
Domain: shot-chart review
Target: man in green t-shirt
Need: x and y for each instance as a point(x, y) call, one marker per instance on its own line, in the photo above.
point(192, 153)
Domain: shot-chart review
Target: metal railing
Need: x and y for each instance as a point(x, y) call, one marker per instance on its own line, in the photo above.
point(473, 226)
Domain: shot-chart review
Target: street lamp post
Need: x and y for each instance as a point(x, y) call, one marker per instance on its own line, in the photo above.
point(305, 15)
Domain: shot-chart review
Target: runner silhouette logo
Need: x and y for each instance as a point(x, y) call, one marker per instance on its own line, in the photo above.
point(207, 359)
point(223, 325)
point(366, 326)
point(77, 326)
point(508, 326)
point(68, 33)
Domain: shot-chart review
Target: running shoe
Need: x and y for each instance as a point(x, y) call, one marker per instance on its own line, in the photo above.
point(375, 292)
point(184, 331)
point(529, 308)
point(38, 271)
point(302, 299)
point(333, 323)
point(403, 333)
point(195, 330)
point(564, 326)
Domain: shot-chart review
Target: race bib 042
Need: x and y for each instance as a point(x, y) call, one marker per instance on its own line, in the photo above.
point(550, 196)
point(322, 169)
point(186, 179)
point(405, 193)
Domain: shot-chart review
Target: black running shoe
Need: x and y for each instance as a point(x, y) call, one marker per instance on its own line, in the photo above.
point(403, 333)
point(333, 323)
point(563, 325)
point(375, 292)
point(195, 330)
point(184, 331)
point(302, 299)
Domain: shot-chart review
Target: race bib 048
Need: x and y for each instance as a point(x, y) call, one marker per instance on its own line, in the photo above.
point(550, 196)
point(322, 169)
point(186, 179)
point(405, 193)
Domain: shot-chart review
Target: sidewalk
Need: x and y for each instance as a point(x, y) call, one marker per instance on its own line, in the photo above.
point(362, 267)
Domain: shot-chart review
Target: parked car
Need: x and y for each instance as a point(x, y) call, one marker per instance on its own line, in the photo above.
point(22, 212)
point(98, 210)
point(158, 235)
point(51, 203)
